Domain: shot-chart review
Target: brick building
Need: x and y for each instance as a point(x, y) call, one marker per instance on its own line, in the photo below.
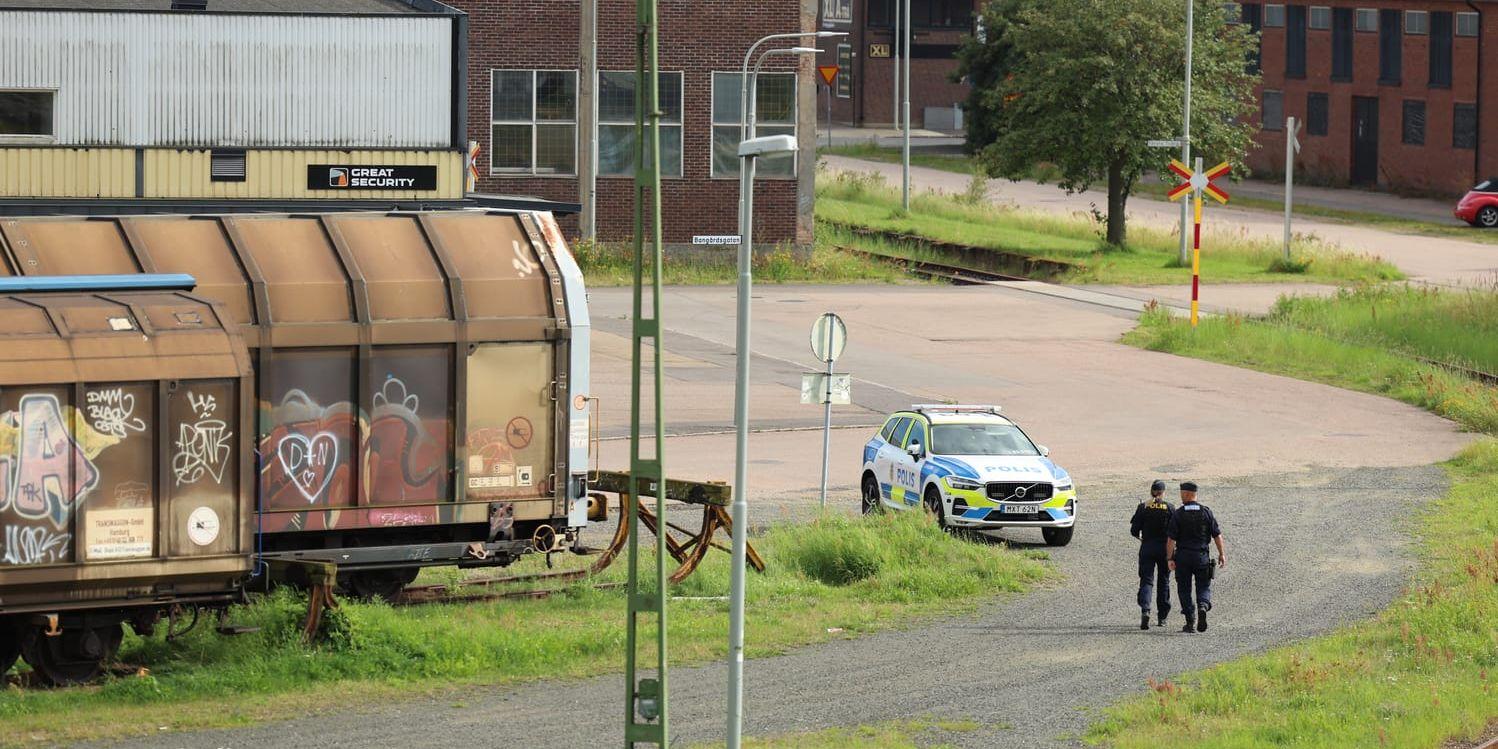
point(864, 89)
point(1399, 95)
point(523, 109)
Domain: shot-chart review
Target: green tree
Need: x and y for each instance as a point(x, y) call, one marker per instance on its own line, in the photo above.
point(984, 60)
point(1090, 81)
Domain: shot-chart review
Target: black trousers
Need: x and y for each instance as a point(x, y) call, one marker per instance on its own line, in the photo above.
point(1193, 569)
point(1154, 579)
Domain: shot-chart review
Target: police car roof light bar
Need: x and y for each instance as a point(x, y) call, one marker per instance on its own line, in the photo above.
point(953, 408)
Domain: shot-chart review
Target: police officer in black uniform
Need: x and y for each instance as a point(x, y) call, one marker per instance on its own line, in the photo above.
point(1148, 525)
point(1189, 535)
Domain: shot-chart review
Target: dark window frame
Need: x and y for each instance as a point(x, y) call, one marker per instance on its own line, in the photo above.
point(1318, 113)
point(47, 122)
point(1390, 47)
point(1344, 35)
point(1464, 113)
point(1267, 123)
point(1412, 122)
point(1442, 38)
point(1295, 41)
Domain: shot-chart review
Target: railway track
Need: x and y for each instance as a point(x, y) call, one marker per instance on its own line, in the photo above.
point(955, 273)
point(463, 592)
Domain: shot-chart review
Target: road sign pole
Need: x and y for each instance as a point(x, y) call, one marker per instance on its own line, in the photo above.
point(1289, 178)
point(1196, 248)
point(827, 419)
point(829, 117)
point(905, 92)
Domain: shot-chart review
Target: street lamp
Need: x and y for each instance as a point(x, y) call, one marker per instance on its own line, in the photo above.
point(749, 149)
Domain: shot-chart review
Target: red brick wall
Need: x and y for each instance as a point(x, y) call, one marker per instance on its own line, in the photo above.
point(1434, 167)
point(872, 103)
point(697, 37)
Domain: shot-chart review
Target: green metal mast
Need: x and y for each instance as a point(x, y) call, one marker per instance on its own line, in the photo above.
point(645, 705)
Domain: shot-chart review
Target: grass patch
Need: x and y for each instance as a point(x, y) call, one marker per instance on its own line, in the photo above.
point(1459, 327)
point(613, 265)
point(1150, 258)
point(1370, 357)
point(901, 734)
point(1417, 675)
point(204, 680)
point(869, 151)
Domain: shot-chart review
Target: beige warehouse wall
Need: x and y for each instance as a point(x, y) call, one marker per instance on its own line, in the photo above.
point(67, 173)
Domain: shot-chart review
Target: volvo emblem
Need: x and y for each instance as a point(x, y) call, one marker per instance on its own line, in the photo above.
point(1019, 492)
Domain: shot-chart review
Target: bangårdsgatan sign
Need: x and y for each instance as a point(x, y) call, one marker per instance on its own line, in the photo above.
point(370, 177)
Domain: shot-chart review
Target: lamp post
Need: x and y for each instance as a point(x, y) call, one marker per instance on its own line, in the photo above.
point(750, 148)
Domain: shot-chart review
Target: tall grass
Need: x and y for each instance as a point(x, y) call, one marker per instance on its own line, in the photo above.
point(611, 264)
point(1418, 675)
point(1458, 327)
point(850, 575)
point(863, 199)
point(1283, 349)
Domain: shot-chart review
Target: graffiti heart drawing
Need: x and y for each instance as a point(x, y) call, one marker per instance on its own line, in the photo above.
point(308, 462)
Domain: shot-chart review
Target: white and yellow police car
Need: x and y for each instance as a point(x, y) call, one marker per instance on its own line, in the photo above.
point(971, 468)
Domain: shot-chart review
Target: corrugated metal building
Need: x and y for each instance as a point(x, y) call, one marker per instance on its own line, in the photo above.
point(251, 99)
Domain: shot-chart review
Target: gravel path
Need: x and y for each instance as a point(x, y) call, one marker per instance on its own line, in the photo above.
point(1307, 551)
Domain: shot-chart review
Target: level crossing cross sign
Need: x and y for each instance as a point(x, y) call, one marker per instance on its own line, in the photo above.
point(1195, 182)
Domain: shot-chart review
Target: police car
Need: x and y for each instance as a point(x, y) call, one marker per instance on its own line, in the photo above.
point(971, 468)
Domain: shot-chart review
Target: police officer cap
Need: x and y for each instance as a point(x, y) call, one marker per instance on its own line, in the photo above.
point(1188, 486)
point(1158, 486)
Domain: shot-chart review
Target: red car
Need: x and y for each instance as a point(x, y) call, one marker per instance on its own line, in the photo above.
point(1479, 207)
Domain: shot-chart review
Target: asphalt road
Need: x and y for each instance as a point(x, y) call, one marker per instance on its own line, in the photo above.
point(1314, 486)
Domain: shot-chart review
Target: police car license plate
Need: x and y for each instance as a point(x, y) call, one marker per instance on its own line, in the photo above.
point(1018, 510)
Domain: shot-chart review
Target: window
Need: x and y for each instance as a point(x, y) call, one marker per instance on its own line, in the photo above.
point(1274, 16)
point(1321, 17)
point(1416, 22)
point(1295, 42)
point(837, 11)
point(917, 435)
point(1342, 36)
point(927, 14)
point(1253, 15)
point(616, 124)
point(1230, 11)
point(1273, 113)
point(1413, 127)
point(1390, 48)
point(844, 81)
point(1466, 24)
point(1317, 106)
point(888, 433)
point(1367, 19)
point(1464, 126)
point(26, 113)
point(1440, 50)
point(534, 122)
point(226, 165)
point(897, 437)
point(775, 114)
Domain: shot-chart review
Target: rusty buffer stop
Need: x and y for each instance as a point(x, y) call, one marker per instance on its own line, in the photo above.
point(380, 391)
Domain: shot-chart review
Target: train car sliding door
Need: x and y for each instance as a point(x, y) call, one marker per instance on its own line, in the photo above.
point(510, 426)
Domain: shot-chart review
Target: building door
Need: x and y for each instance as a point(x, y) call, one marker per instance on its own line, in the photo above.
point(1364, 140)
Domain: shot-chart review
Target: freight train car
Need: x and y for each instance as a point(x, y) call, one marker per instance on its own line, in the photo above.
point(419, 383)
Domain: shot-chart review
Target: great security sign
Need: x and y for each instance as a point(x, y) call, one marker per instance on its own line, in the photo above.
point(374, 177)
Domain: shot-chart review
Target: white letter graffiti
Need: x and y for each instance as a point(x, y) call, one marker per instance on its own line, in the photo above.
point(35, 546)
point(202, 405)
point(521, 263)
point(308, 462)
point(202, 448)
point(112, 412)
point(34, 481)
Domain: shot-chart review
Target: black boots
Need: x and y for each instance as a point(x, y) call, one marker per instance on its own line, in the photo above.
point(1144, 620)
point(1160, 622)
point(1201, 621)
point(1189, 627)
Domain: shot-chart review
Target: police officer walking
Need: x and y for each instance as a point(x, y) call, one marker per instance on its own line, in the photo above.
point(1148, 525)
point(1189, 534)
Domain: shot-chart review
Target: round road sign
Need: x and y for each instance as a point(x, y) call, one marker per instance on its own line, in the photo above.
point(828, 337)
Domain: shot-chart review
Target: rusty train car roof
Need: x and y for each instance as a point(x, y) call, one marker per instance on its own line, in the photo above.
point(323, 279)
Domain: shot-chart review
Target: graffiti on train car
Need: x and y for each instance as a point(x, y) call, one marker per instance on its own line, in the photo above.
point(204, 446)
point(46, 472)
point(306, 460)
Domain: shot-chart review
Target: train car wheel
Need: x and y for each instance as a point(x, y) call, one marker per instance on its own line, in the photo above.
point(385, 584)
point(10, 645)
point(74, 657)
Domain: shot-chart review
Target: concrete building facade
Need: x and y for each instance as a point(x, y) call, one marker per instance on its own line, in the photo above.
point(1395, 95)
point(524, 110)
